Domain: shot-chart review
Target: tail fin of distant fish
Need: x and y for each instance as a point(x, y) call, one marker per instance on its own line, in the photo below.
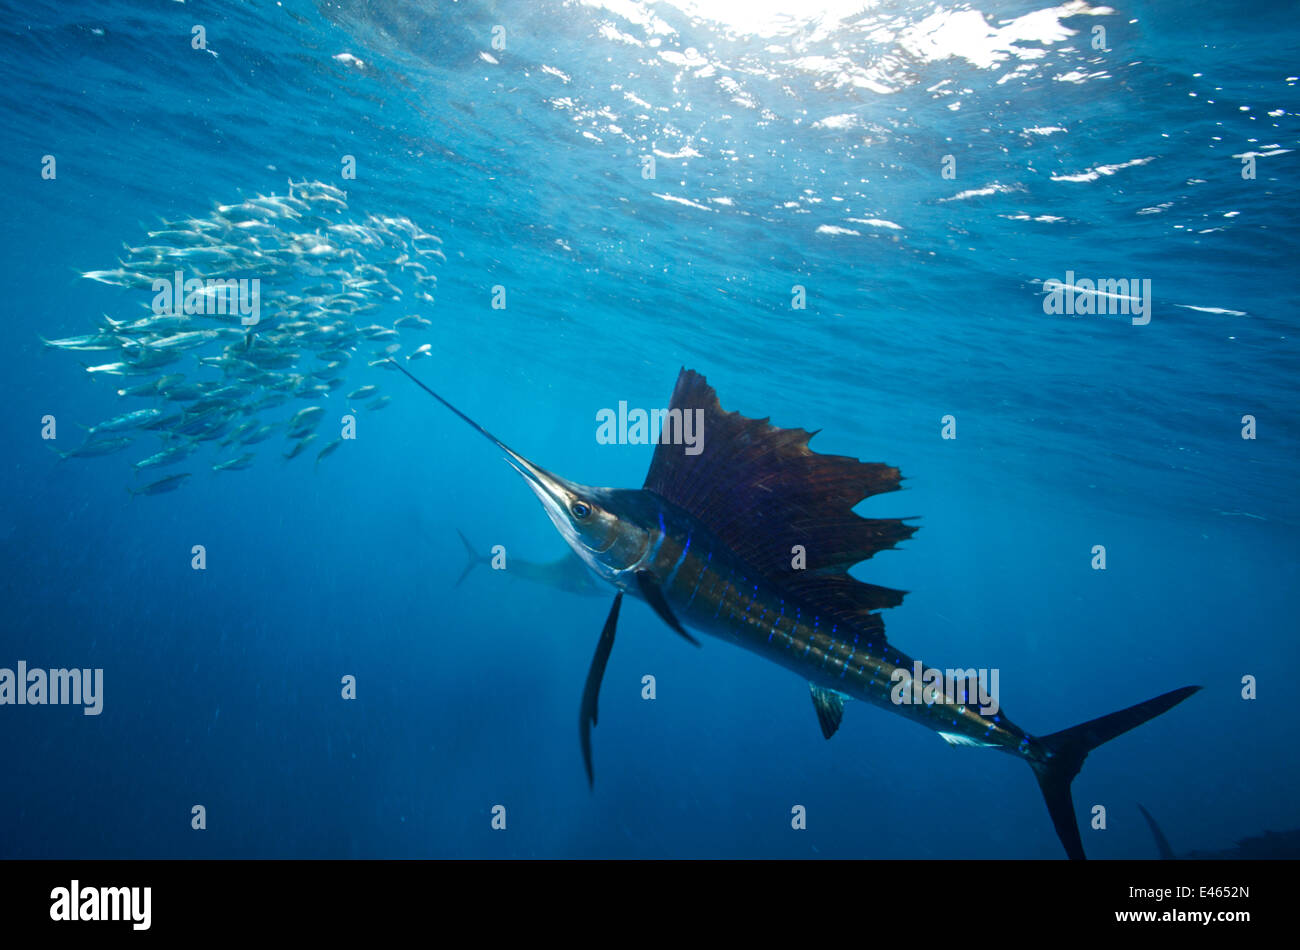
point(1067, 749)
point(1162, 843)
point(472, 558)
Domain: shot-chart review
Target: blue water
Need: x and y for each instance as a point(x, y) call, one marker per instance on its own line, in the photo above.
point(804, 151)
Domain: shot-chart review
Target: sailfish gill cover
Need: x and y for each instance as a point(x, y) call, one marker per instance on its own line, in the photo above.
point(1026, 269)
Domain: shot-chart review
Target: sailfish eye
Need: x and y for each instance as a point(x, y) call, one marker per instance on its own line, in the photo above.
point(580, 509)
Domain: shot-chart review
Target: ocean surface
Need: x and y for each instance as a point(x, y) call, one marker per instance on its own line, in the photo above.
point(920, 170)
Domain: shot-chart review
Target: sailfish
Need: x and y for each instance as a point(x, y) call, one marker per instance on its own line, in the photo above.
point(706, 542)
point(568, 574)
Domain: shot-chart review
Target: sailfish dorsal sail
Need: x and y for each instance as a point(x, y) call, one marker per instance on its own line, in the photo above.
point(763, 491)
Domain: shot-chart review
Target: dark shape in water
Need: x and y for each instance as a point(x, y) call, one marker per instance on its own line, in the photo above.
point(162, 486)
point(1270, 846)
point(707, 543)
point(569, 573)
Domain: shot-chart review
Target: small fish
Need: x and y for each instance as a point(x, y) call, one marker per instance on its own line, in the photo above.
point(168, 456)
point(238, 431)
point(365, 392)
point(329, 449)
point(274, 359)
point(269, 401)
point(96, 447)
point(214, 431)
point(143, 389)
point(247, 211)
point(165, 421)
point(128, 420)
point(183, 341)
point(212, 401)
point(91, 341)
point(201, 423)
point(119, 277)
point(120, 369)
point(302, 444)
point(304, 420)
point(156, 323)
point(259, 435)
point(414, 320)
point(146, 359)
point(423, 351)
point(235, 464)
point(184, 392)
point(329, 370)
point(182, 237)
point(306, 188)
point(231, 392)
point(163, 485)
point(380, 403)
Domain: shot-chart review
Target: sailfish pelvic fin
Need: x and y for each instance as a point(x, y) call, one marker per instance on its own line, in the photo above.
point(830, 708)
point(591, 689)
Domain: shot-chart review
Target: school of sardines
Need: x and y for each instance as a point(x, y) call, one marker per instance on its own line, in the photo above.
point(216, 377)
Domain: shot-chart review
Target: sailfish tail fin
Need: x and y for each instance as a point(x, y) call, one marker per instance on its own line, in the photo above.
point(472, 558)
point(1066, 750)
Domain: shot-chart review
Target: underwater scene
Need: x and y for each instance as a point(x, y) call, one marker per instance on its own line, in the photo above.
point(619, 429)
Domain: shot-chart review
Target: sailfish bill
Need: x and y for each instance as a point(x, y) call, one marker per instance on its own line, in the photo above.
point(706, 543)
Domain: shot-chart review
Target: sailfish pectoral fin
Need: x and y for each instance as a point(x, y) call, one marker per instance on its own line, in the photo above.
point(648, 584)
point(591, 691)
